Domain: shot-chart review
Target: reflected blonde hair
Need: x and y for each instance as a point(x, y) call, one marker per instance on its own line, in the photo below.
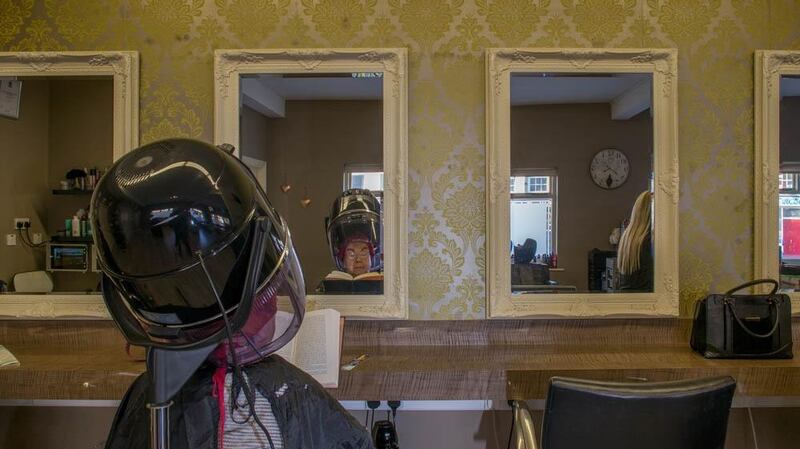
point(630, 244)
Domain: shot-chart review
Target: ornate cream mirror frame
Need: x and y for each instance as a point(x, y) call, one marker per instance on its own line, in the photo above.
point(770, 65)
point(123, 66)
point(662, 64)
point(229, 65)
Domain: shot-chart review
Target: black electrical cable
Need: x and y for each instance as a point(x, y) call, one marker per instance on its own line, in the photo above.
point(28, 233)
point(248, 392)
point(27, 241)
point(372, 405)
point(22, 237)
point(43, 243)
point(394, 405)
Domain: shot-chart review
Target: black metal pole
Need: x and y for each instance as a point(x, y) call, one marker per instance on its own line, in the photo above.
point(159, 425)
point(168, 371)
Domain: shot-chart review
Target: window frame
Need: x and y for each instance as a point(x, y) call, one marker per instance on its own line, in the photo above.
point(552, 195)
point(349, 169)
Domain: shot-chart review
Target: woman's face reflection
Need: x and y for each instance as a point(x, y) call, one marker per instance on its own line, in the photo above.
point(357, 259)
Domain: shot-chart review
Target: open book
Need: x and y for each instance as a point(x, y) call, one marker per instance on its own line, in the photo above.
point(317, 347)
point(342, 276)
point(7, 359)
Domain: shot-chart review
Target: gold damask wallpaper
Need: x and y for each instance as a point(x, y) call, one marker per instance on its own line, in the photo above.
point(446, 39)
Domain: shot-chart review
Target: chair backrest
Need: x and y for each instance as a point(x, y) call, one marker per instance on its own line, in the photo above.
point(524, 253)
point(687, 414)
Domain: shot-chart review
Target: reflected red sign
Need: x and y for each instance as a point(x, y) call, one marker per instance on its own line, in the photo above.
point(791, 238)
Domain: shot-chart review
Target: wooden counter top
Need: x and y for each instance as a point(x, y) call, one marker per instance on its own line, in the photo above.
point(439, 360)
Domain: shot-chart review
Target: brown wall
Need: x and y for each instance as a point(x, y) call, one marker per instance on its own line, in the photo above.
point(790, 129)
point(64, 123)
point(23, 177)
point(81, 136)
point(566, 137)
point(253, 141)
point(309, 149)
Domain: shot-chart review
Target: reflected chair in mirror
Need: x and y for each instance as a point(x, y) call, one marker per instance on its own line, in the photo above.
point(524, 253)
point(686, 414)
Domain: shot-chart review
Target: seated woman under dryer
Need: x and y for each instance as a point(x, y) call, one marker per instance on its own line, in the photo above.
point(354, 236)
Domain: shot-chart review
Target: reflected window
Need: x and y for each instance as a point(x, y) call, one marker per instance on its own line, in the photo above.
point(789, 184)
point(533, 203)
point(364, 177)
point(371, 181)
point(789, 218)
point(537, 184)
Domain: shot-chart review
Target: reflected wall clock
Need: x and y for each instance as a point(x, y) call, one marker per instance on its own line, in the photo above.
point(610, 168)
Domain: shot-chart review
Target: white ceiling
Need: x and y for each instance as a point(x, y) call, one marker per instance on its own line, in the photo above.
point(539, 88)
point(337, 87)
point(790, 87)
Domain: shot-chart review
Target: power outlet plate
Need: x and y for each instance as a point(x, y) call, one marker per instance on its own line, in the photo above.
point(11, 239)
point(19, 223)
point(37, 238)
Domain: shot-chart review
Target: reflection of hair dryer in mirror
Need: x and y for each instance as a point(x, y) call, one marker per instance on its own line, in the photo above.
point(354, 233)
point(354, 228)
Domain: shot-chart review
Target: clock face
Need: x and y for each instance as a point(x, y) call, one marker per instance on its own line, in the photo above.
point(609, 168)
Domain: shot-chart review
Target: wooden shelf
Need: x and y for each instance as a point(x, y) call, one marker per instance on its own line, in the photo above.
point(62, 239)
point(415, 360)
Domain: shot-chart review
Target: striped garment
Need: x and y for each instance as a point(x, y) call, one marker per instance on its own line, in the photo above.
point(242, 433)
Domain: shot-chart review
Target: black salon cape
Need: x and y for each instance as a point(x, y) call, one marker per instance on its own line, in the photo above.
point(309, 418)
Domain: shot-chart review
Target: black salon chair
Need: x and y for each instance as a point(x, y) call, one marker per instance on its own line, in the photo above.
point(580, 414)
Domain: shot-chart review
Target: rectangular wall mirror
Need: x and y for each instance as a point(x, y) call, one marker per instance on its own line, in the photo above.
point(64, 117)
point(324, 133)
point(777, 170)
point(583, 192)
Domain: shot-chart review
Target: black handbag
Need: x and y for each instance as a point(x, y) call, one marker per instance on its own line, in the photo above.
point(732, 326)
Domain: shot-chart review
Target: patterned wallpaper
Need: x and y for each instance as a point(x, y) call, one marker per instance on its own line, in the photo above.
point(446, 38)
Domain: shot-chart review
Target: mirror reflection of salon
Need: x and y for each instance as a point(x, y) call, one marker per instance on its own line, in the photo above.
point(581, 183)
point(58, 135)
point(789, 190)
point(316, 142)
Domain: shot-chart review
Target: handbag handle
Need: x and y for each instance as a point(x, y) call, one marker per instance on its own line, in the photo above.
point(752, 283)
point(730, 304)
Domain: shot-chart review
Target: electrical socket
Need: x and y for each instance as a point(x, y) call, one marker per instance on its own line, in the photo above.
point(11, 239)
point(22, 223)
point(37, 238)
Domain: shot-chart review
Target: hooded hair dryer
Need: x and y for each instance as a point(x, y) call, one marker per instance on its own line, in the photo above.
point(196, 263)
